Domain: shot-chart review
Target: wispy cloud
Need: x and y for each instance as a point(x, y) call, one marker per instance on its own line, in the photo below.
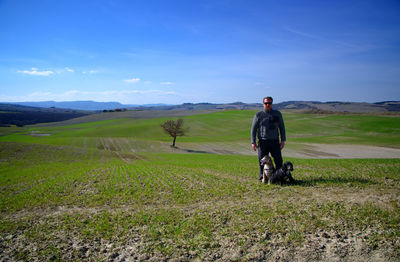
point(90, 72)
point(37, 72)
point(301, 33)
point(322, 38)
point(142, 92)
point(261, 84)
point(132, 80)
point(166, 83)
point(127, 96)
point(40, 94)
point(34, 71)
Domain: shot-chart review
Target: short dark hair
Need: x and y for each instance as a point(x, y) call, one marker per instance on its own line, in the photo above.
point(269, 98)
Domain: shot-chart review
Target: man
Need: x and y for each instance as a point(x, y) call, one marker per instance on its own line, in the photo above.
point(269, 127)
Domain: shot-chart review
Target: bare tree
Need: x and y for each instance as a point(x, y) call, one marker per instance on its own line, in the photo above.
point(174, 129)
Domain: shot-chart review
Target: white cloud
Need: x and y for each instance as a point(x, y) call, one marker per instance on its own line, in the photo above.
point(74, 92)
point(261, 84)
point(34, 71)
point(142, 92)
point(124, 96)
point(301, 33)
point(166, 83)
point(132, 80)
point(90, 72)
point(39, 94)
point(69, 70)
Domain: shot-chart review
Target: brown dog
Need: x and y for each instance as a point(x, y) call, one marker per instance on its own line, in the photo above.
point(266, 161)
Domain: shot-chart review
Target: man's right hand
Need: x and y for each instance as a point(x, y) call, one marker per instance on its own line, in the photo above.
point(254, 145)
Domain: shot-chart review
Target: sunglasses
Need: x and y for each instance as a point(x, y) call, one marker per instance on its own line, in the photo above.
point(267, 103)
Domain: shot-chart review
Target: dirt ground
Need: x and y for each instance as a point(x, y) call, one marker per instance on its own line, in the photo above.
point(304, 150)
point(323, 245)
point(342, 151)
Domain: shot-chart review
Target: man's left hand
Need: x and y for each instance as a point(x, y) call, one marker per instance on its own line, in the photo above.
point(282, 144)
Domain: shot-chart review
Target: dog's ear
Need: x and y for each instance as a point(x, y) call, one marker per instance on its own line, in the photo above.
point(290, 166)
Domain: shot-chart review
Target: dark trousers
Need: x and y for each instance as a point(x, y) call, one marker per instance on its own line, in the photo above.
point(270, 146)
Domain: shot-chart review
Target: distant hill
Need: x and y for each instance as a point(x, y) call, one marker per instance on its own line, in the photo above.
point(81, 105)
point(335, 106)
point(199, 106)
point(18, 115)
point(77, 105)
point(309, 106)
point(50, 111)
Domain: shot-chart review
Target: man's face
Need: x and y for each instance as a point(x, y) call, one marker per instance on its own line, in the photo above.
point(267, 104)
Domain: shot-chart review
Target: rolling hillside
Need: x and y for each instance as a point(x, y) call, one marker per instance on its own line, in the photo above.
point(387, 106)
point(311, 106)
point(221, 132)
point(114, 190)
point(13, 114)
point(25, 115)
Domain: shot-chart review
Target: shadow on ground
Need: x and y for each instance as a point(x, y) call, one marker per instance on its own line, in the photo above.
point(332, 181)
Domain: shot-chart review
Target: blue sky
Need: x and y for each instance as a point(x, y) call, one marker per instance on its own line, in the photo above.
point(218, 51)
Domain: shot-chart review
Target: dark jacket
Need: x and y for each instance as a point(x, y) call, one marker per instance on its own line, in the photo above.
point(268, 126)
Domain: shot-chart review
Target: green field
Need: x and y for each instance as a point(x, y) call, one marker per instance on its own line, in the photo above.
point(114, 190)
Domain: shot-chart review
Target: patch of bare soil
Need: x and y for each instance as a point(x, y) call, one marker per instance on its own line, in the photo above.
point(38, 134)
point(349, 151)
point(331, 246)
point(305, 150)
point(132, 246)
point(320, 246)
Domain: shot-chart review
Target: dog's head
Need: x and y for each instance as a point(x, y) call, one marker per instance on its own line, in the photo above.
point(287, 166)
point(266, 160)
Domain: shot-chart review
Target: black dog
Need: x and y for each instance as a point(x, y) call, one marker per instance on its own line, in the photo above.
point(283, 175)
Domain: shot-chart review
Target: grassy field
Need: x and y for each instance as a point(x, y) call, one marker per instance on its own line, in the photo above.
point(109, 190)
point(214, 127)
